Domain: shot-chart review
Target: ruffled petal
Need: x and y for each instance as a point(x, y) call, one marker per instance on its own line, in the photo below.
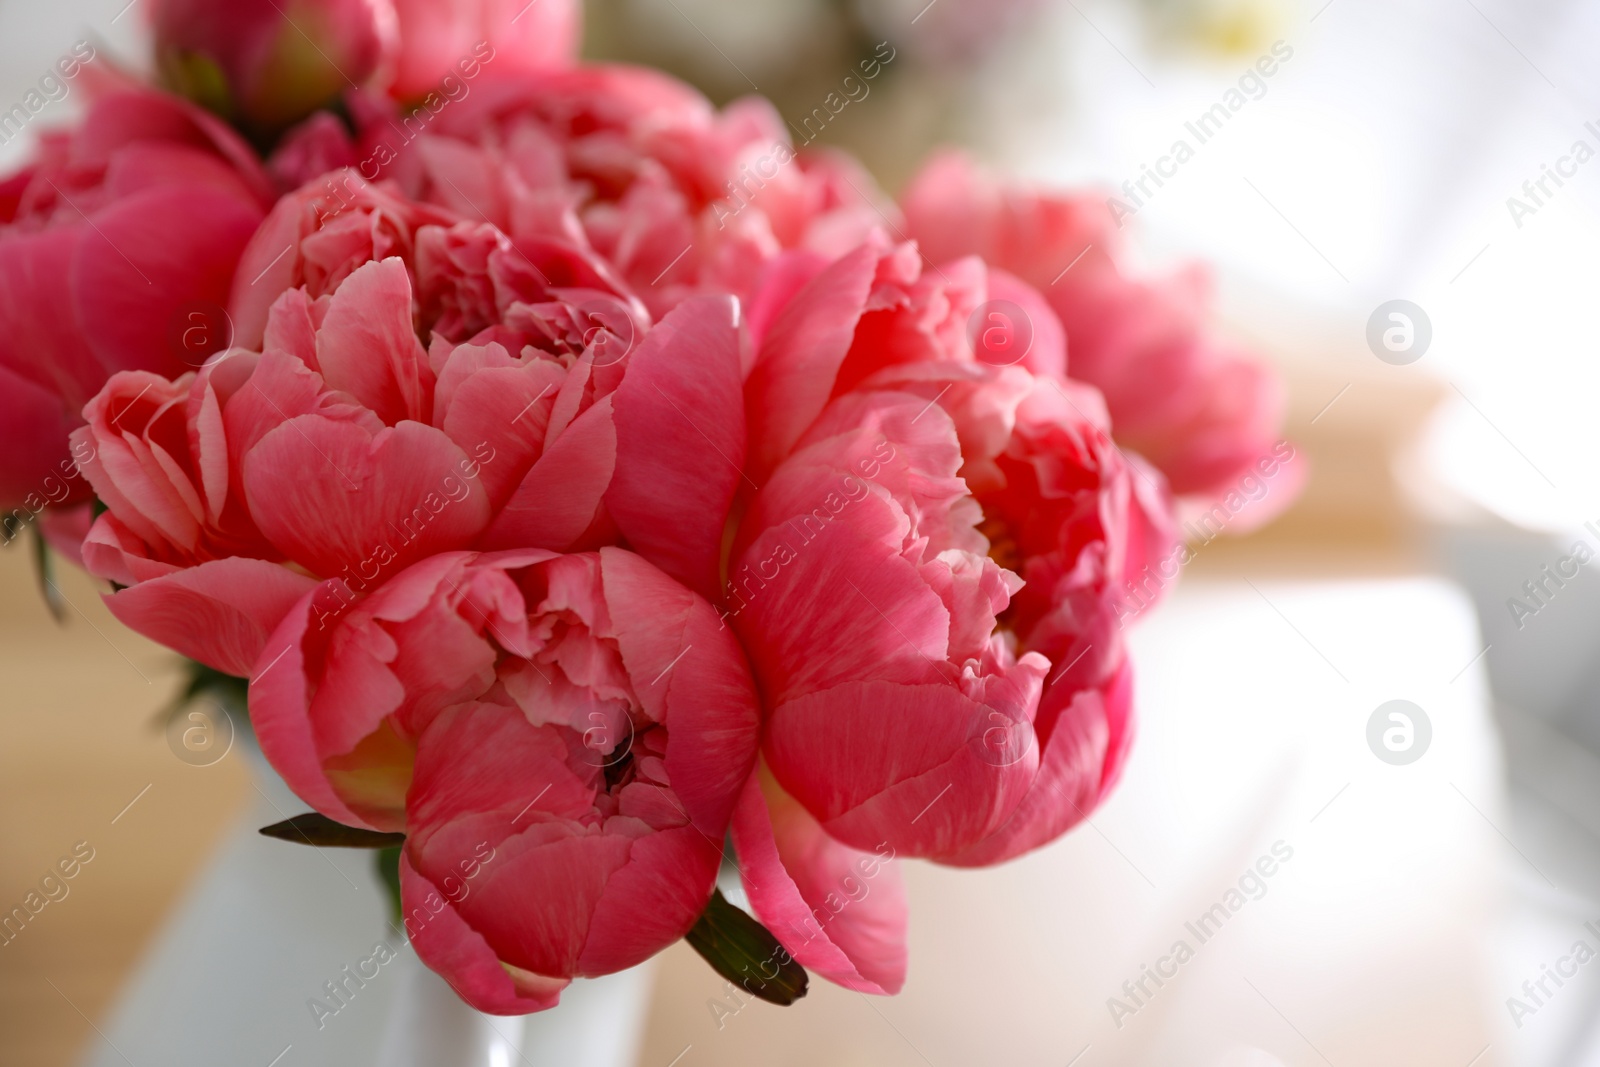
point(219, 613)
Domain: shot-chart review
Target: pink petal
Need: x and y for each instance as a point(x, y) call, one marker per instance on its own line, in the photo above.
point(468, 180)
point(115, 553)
point(280, 708)
point(497, 408)
point(219, 613)
point(690, 673)
point(40, 336)
point(454, 950)
point(680, 441)
point(480, 758)
point(1083, 757)
point(122, 117)
point(879, 762)
point(148, 257)
point(332, 496)
point(820, 604)
point(561, 496)
point(1046, 354)
point(839, 912)
point(781, 281)
point(135, 409)
point(653, 900)
point(268, 267)
point(801, 356)
point(34, 425)
point(555, 897)
point(368, 348)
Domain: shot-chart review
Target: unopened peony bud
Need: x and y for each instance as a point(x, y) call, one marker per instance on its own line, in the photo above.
point(266, 64)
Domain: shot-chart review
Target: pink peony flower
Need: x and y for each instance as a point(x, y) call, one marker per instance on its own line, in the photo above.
point(117, 248)
point(517, 35)
point(679, 198)
point(344, 450)
point(562, 738)
point(465, 273)
point(1077, 520)
point(867, 604)
point(904, 472)
point(265, 65)
point(933, 565)
point(528, 386)
point(1198, 408)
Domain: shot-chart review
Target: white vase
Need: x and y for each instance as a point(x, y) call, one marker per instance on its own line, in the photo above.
point(429, 1026)
point(268, 927)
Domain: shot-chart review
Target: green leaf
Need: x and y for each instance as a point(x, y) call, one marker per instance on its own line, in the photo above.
point(388, 860)
point(44, 567)
point(313, 828)
point(746, 954)
point(227, 690)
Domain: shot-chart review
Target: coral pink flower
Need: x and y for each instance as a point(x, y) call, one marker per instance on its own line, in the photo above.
point(346, 451)
point(938, 541)
point(466, 273)
point(562, 738)
point(1199, 409)
point(1077, 520)
point(117, 248)
point(678, 197)
point(587, 477)
point(875, 318)
point(863, 595)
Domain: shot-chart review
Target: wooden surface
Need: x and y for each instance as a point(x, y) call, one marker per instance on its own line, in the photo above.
point(80, 739)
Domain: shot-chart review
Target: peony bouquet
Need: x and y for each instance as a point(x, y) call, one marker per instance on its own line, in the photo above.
point(599, 495)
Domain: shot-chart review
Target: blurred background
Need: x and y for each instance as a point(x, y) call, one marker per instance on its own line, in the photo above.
point(1426, 904)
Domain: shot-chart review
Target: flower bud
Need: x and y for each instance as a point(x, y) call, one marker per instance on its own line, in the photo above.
point(266, 64)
